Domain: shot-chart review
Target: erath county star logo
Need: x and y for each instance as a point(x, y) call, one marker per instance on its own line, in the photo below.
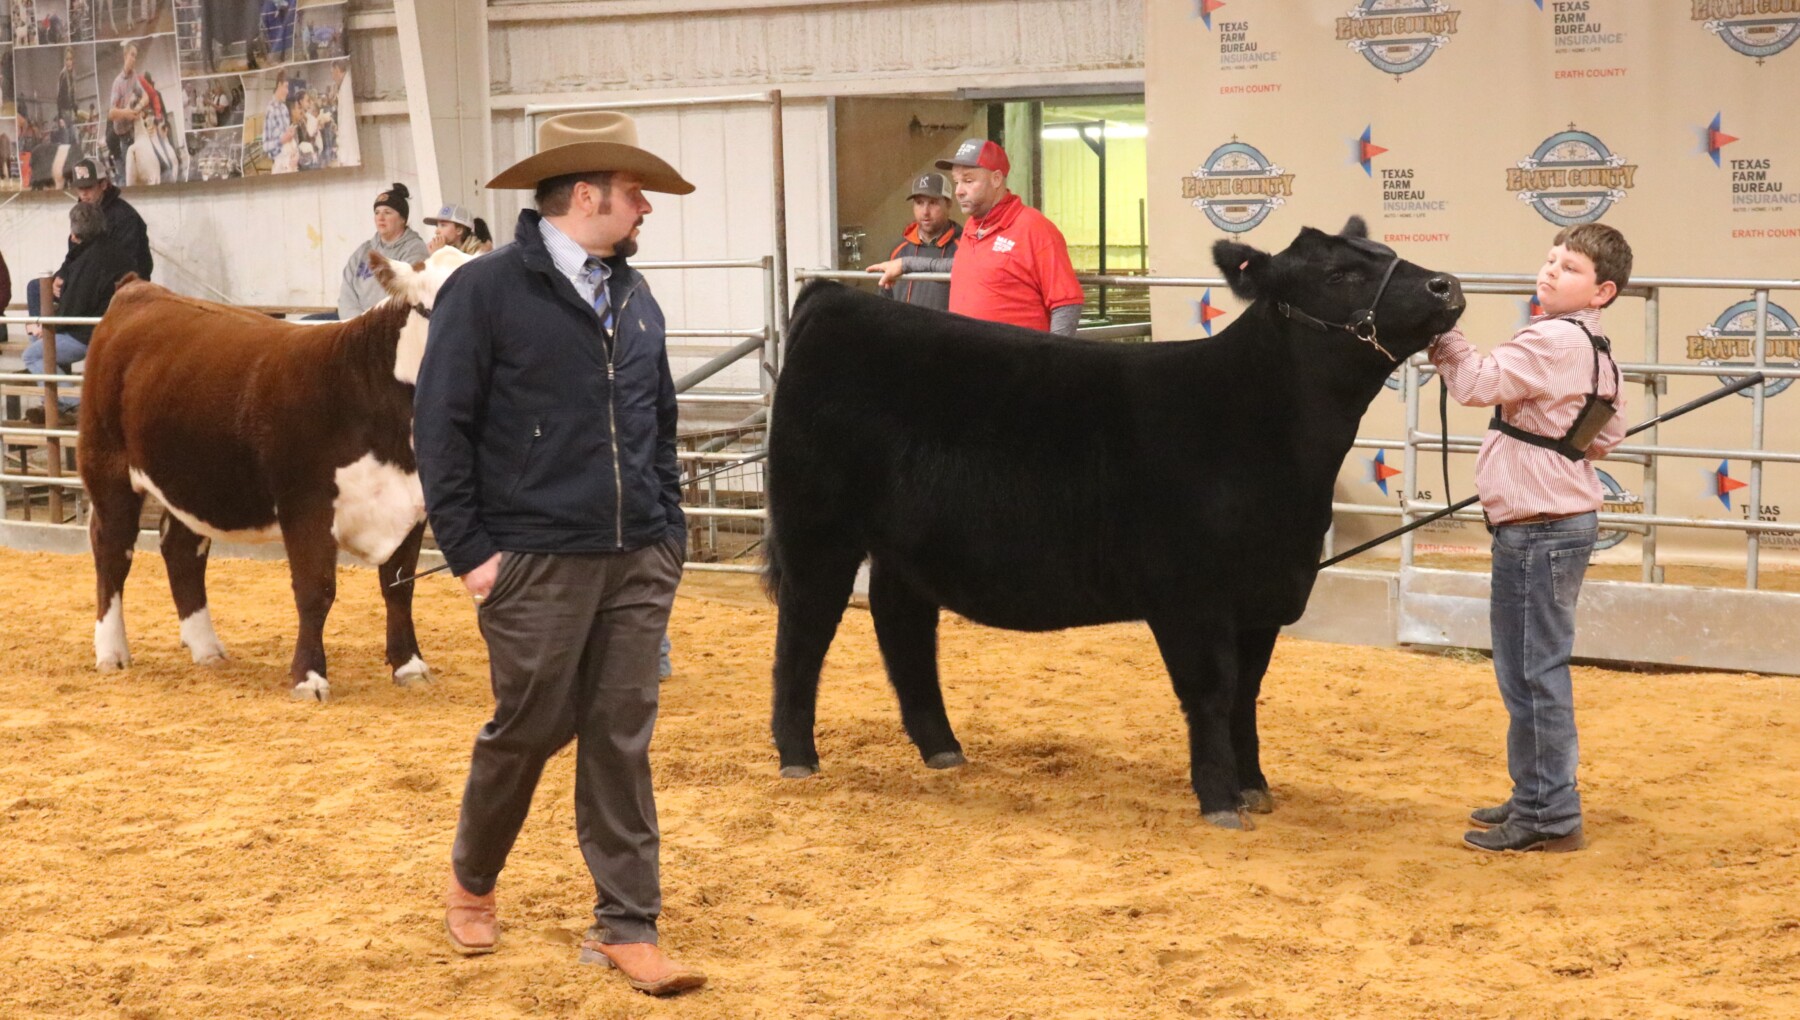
point(1379, 472)
point(1203, 9)
point(1717, 139)
point(1723, 485)
point(1367, 150)
point(1533, 308)
point(1205, 312)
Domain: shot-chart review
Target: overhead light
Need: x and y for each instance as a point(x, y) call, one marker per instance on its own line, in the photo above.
point(1062, 132)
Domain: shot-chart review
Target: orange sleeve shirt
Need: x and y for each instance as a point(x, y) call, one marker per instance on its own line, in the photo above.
point(1015, 273)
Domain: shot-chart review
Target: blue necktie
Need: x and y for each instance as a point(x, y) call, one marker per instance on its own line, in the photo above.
point(602, 301)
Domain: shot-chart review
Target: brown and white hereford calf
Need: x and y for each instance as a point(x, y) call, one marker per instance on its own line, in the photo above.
point(250, 429)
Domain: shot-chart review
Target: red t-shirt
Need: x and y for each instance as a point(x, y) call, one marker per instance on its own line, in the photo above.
point(1012, 265)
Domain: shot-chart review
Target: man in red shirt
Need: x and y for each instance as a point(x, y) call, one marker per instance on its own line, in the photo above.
point(1012, 264)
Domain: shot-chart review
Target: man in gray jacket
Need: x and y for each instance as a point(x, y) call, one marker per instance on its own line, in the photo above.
point(928, 245)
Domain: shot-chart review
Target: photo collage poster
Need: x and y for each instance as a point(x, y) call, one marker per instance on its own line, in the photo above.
point(165, 91)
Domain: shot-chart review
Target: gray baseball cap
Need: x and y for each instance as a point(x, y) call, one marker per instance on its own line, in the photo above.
point(452, 214)
point(932, 185)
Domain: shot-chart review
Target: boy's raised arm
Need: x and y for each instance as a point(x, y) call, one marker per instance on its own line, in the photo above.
point(1517, 370)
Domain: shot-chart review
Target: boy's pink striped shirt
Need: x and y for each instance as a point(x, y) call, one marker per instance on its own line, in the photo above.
point(1539, 379)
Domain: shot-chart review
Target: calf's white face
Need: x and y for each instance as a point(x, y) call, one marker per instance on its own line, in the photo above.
point(416, 285)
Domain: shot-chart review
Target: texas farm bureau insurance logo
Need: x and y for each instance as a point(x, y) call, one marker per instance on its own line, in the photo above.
point(1572, 178)
point(1730, 341)
point(1616, 499)
point(1398, 36)
point(1237, 187)
point(1755, 28)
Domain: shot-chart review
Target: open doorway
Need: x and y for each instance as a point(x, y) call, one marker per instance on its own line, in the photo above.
point(1081, 160)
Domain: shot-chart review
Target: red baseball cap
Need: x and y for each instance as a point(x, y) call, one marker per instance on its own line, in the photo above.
point(977, 152)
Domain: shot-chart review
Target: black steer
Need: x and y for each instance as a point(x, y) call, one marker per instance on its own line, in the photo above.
point(1033, 482)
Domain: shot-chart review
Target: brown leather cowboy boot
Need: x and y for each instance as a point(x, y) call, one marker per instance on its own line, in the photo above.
point(645, 966)
point(469, 919)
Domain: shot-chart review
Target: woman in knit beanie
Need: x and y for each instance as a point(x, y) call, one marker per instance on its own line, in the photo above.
point(393, 239)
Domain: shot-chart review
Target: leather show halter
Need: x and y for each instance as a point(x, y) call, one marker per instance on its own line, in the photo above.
point(1362, 321)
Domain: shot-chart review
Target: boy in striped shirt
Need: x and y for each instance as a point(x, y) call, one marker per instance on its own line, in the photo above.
point(1540, 495)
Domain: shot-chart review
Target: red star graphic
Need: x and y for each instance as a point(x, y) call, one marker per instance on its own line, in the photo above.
point(1209, 6)
point(1370, 150)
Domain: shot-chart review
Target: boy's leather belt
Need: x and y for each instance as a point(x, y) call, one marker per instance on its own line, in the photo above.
point(1543, 518)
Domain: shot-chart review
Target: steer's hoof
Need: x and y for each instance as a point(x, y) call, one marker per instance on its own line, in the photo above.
point(1233, 819)
point(313, 688)
point(946, 760)
point(1257, 801)
point(414, 672)
point(799, 771)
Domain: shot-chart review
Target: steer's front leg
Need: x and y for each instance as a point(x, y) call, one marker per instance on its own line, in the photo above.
point(1202, 662)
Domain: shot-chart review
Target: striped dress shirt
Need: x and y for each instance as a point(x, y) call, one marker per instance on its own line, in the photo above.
point(1538, 379)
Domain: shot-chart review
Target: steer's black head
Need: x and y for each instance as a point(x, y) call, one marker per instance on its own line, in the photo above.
point(1348, 290)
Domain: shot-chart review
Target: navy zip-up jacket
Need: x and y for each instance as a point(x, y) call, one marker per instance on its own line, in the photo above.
point(535, 431)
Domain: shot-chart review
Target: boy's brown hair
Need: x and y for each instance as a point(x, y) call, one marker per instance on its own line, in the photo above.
point(1605, 247)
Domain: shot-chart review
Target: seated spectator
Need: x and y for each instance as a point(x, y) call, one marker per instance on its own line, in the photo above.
point(393, 239)
point(93, 270)
point(455, 228)
point(484, 238)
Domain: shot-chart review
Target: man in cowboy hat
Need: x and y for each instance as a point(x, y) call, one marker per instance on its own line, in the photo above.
point(545, 430)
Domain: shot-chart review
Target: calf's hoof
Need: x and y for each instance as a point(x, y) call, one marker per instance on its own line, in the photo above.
point(946, 760)
point(799, 771)
point(1233, 819)
point(414, 672)
point(313, 688)
point(111, 663)
point(1258, 801)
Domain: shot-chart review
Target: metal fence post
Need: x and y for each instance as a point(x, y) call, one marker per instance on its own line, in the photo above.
point(1409, 385)
point(1652, 383)
point(1758, 406)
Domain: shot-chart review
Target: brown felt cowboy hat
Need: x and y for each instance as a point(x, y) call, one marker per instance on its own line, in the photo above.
point(596, 140)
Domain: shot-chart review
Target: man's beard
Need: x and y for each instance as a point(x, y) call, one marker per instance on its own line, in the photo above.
point(626, 248)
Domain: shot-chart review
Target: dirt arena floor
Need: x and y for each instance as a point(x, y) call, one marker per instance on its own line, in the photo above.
point(188, 842)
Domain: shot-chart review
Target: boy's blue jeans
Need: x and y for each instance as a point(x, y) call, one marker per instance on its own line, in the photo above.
point(1536, 581)
point(68, 351)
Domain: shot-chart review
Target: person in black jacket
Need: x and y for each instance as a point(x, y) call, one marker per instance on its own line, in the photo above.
point(544, 421)
point(125, 230)
point(93, 271)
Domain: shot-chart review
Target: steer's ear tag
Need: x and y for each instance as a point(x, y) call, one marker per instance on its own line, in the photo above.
point(1242, 266)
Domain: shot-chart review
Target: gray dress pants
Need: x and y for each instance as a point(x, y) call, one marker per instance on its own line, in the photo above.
point(572, 645)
